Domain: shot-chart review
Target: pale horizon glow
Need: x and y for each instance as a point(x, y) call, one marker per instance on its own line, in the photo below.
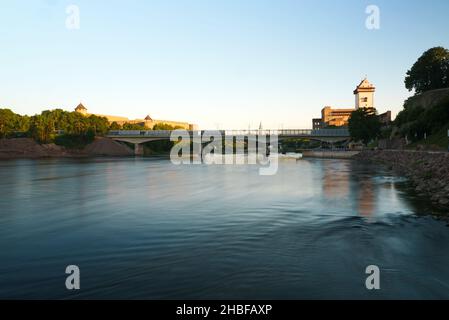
point(220, 64)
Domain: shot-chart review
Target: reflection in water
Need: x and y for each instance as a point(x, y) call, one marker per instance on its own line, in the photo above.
point(339, 181)
point(336, 179)
point(366, 198)
point(143, 228)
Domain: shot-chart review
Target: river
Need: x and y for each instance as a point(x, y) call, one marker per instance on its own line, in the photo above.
point(147, 229)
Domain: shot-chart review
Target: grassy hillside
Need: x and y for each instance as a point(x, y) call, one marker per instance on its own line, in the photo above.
point(425, 124)
point(436, 141)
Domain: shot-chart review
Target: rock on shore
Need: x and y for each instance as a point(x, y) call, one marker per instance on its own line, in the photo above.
point(428, 171)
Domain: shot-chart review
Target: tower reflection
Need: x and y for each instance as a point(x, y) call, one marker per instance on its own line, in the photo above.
point(336, 178)
point(343, 180)
point(366, 198)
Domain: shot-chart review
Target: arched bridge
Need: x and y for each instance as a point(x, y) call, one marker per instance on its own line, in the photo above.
point(137, 137)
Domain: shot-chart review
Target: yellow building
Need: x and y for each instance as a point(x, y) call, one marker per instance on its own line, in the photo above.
point(147, 122)
point(330, 117)
point(335, 117)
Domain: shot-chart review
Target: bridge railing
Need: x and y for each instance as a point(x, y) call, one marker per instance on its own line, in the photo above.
point(331, 133)
point(140, 133)
point(292, 132)
point(288, 132)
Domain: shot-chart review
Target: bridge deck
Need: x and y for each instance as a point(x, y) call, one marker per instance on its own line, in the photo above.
point(300, 133)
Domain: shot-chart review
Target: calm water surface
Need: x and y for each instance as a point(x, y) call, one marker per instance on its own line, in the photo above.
point(144, 228)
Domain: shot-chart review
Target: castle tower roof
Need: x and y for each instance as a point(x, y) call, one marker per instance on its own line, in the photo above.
point(365, 86)
point(81, 108)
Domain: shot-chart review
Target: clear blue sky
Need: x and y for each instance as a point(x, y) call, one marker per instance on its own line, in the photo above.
point(218, 63)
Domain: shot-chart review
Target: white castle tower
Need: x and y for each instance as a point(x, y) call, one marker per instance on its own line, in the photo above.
point(364, 95)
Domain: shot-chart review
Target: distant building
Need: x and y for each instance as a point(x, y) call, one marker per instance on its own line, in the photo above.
point(317, 124)
point(147, 122)
point(364, 98)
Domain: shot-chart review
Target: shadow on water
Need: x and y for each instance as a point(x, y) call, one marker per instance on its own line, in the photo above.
point(423, 206)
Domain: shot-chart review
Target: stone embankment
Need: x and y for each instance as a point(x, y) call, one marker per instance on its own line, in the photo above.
point(428, 171)
point(328, 154)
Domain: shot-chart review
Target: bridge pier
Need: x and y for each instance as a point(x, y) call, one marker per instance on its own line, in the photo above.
point(138, 149)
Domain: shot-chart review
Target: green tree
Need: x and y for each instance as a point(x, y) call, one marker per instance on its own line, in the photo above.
point(165, 127)
point(115, 126)
point(42, 128)
point(364, 125)
point(99, 126)
point(7, 122)
point(430, 72)
point(79, 124)
point(134, 126)
point(75, 128)
point(22, 124)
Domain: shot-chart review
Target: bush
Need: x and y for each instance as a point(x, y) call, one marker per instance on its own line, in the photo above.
point(165, 127)
point(75, 141)
point(133, 126)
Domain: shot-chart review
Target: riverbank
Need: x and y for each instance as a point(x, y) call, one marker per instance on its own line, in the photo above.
point(428, 171)
point(329, 154)
point(26, 148)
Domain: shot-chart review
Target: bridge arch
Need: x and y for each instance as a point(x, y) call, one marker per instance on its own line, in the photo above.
point(137, 138)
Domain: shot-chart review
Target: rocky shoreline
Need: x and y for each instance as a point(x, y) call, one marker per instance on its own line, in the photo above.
point(25, 148)
point(428, 171)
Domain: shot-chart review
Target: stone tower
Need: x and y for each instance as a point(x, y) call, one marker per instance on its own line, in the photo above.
point(81, 109)
point(364, 95)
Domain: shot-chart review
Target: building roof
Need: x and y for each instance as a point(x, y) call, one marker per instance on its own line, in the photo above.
point(364, 86)
point(81, 107)
point(148, 118)
point(334, 111)
point(330, 109)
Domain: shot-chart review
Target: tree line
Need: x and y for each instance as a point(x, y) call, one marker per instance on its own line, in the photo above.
point(50, 124)
point(62, 127)
point(135, 126)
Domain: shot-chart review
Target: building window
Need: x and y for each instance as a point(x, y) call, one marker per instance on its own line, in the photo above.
point(364, 99)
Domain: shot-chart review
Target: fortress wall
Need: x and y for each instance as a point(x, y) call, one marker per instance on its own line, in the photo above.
point(148, 123)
